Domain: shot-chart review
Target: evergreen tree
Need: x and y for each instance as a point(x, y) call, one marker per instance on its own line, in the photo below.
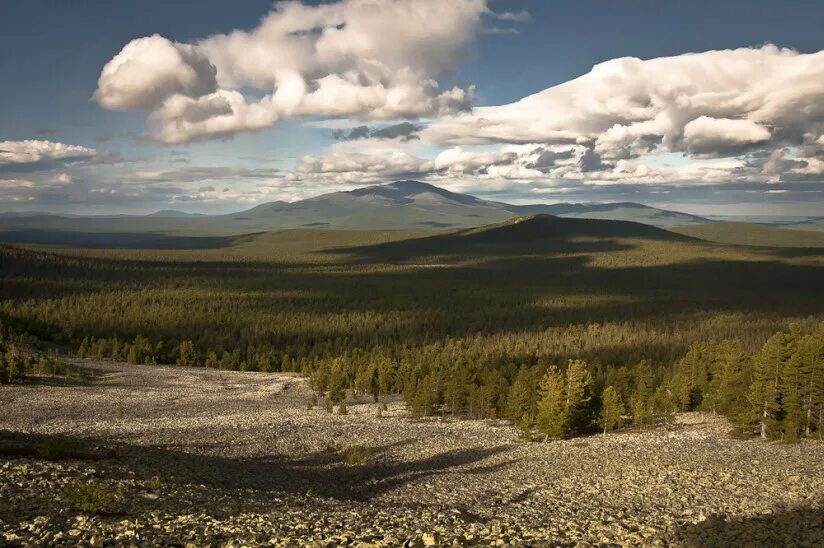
point(578, 396)
point(83, 351)
point(552, 413)
point(612, 409)
point(116, 349)
point(523, 396)
point(691, 377)
point(764, 394)
point(663, 405)
point(187, 354)
point(15, 364)
point(4, 368)
point(809, 356)
point(640, 400)
point(337, 381)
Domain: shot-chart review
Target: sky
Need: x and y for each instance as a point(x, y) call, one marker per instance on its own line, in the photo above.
point(713, 108)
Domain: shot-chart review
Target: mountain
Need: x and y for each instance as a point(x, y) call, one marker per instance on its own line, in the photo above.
point(753, 234)
point(414, 205)
point(402, 205)
point(813, 224)
point(173, 214)
point(407, 205)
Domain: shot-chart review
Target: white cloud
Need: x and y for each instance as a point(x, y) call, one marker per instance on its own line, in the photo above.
point(219, 114)
point(33, 151)
point(707, 135)
point(148, 70)
point(363, 162)
point(702, 102)
point(365, 59)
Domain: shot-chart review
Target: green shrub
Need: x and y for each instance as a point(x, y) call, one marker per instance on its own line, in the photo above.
point(91, 497)
point(358, 454)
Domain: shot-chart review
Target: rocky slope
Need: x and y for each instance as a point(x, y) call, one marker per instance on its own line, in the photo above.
point(189, 456)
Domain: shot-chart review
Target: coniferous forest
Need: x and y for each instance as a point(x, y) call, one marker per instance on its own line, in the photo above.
point(564, 335)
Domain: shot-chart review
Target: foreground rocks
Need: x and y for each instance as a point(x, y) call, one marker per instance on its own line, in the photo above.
point(187, 456)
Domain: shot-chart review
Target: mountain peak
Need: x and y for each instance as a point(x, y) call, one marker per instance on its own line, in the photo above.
point(409, 191)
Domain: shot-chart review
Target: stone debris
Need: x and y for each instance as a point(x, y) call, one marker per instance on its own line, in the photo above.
point(197, 457)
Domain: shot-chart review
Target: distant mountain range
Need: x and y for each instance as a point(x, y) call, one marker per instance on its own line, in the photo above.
point(402, 205)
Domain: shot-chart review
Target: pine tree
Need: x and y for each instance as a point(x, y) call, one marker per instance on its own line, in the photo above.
point(15, 364)
point(116, 349)
point(188, 354)
point(640, 400)
point(731, 378)
point(523, 396)
point(578, 395)
point(552, 414)
point(337, 381)
point(83, 351)
point(612, 409)
point(764, 394)
point(690, 377)
point(663, 405)
point(4, 368)
point(810, 357)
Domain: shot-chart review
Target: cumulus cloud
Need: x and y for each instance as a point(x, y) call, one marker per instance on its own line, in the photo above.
point(714, 102)
point(364, 59)
point(219, 114)
point(32, 151)
point(148, 70)
point(706, 135)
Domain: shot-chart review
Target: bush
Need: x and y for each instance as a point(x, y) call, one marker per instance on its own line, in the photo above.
point(89, 497)
point(358, 454)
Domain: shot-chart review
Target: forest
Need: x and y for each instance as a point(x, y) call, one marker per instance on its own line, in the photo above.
point(567, 334)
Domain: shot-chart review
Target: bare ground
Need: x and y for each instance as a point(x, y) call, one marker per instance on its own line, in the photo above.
point(205, 457)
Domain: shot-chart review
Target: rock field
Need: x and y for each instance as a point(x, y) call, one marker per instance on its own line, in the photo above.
point(194, 457)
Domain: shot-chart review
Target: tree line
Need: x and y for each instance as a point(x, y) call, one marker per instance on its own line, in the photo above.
point(776, 391)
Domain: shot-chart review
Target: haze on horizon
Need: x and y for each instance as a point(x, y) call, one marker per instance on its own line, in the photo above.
point(215, 107)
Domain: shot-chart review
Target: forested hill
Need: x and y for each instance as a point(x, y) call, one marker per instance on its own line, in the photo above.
point(525, 234)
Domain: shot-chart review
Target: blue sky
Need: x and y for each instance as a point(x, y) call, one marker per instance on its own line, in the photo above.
point(751, 159)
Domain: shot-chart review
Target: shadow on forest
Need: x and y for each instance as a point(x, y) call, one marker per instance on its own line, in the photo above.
point(122, 240)
point(798, 526)
point(515, 285)
point(324, 474)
